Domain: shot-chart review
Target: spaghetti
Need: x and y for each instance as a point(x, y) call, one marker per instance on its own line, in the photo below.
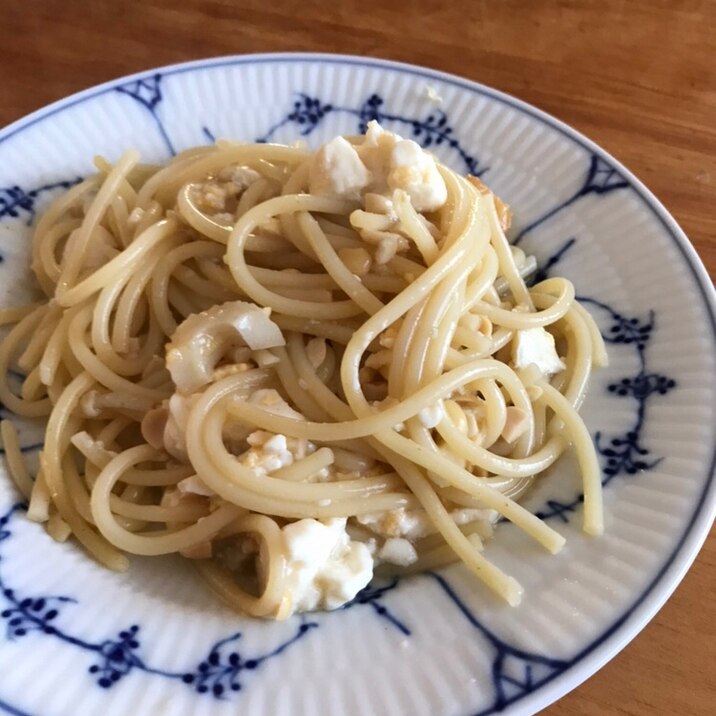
point(255, 340)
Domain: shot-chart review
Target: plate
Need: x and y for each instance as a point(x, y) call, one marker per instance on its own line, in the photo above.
point(77, 639)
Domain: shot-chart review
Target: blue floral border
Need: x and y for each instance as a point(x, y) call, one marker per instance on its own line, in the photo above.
point(626, 453)
point(218, 673)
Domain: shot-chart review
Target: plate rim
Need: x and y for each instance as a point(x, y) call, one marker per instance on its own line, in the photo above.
point(605, 647)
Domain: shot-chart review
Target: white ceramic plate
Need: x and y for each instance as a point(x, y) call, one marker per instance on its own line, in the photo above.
point(77, 639)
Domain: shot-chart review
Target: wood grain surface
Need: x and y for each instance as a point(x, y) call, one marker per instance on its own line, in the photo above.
point(638, 77)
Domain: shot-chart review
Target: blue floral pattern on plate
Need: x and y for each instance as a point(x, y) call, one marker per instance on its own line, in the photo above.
point(222, 670)
point(218, 673)
point(118, 656)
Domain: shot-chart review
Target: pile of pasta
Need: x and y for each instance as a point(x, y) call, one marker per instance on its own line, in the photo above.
point(222, 350)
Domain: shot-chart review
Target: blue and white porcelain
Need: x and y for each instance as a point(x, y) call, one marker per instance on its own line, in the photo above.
point(76, 639)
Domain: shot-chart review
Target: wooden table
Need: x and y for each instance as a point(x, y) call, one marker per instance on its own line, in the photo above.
point(639, 80)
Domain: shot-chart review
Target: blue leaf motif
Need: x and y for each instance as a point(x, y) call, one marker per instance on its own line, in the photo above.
point(370, 111)
point(307, 113)
point(434, 130)
point(148, 93)
point(218, 673)
point(514, 671)
point(601, 178)
point(16, 201)
point(625, 453)
point(372, 596)
point(118, 658)
point(543, 270)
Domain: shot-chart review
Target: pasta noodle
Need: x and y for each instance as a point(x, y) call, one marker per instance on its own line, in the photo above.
point(255, 340)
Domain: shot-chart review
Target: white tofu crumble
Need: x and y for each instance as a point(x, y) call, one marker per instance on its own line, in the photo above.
point(412, 524)
point(194, 485)
point(337, 170)
point(416, 173)
point(415, 524)
point(242, 176)
point(535, 346)
point(269, 452)
point(397, 163)
point(325, 568)
point(399, 551)
point(382, 163)
point(431, 415)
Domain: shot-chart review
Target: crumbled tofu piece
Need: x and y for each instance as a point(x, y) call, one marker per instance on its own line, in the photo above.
point(465, 515)
point(416, 173)
point(535, 346)
point(397, 163)
point(196, 486)
point(337, 170)
point(271, 451)
point(276, 444)
point(515, 424)
point(386, 249)
point(264, 461)
point(415, 524)
point(431, 416)
point(379, 359)
point(210, 196)
point(412, 524)
point(397, 550)
point(241, 175)
point(325, 568)
point(224, 217)
point(258, 438)
point(377, 138)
